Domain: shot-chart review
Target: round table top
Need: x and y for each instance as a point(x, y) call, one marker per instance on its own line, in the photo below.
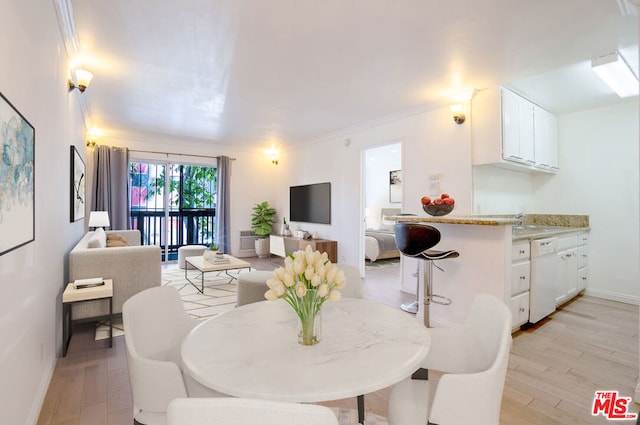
point(252, 351)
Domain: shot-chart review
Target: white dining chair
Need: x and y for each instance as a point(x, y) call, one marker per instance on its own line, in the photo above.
point(243, 411)
point(155, 324)
point(474, 360)
point(353, 288)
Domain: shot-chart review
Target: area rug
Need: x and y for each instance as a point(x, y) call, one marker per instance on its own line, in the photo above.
point(379, 264)
point(220, 293)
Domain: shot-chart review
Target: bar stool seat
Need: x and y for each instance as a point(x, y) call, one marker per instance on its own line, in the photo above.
point(415, 240)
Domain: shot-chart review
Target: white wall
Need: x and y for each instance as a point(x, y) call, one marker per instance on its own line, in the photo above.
point(599, 177)
point(500, 191)
point(431, 143)
point(33, 78)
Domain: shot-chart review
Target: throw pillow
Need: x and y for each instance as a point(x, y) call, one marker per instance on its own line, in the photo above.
point(116, 240)
point(98, 239)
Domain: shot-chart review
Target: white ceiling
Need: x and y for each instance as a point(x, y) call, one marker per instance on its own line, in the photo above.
point(258, 72)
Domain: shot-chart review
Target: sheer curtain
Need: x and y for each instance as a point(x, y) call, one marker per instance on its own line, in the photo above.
point(222, 208)
point(110, 188)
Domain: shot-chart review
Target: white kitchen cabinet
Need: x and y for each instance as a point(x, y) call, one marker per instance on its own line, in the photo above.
point(520, 282)
point(573, 266)
point(583, 261)
point(517, 129)
point(505, 132)
point(545, 139)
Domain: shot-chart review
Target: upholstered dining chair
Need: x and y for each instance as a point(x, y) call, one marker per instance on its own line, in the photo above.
point(155, 323)
point(242, 411)
point(474, 360)
point(353, 288)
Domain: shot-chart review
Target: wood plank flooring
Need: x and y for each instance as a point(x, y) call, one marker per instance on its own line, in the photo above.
point(555, 367)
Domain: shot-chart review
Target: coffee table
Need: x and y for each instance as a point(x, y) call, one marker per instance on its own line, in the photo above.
point(252, 351)
point(206, 266)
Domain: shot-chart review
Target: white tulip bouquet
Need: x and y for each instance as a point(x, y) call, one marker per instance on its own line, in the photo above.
point(305, 282)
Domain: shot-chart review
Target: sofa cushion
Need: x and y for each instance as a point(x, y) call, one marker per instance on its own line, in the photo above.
point(98, 240)
point(116, 240)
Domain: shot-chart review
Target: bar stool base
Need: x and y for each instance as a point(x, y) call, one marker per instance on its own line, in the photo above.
point(411, 307)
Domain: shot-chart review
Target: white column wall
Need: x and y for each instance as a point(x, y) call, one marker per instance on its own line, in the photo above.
point(32, 277)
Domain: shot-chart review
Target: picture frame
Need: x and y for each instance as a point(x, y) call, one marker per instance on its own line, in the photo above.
point(77, 194)
point(395, 186)
point(17, 178)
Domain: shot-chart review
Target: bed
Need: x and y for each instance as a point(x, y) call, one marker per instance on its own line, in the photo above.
point(381, 243)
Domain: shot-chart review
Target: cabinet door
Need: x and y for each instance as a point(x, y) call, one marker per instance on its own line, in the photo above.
point(517, 128)
point(520, 277)
point(545, 139)
point(520, 309)
point(566, 275)
point(583, 278)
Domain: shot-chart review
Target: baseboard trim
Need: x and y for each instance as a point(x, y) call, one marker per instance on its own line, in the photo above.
point(636, 394)
point(38, 402)
point(613, 296)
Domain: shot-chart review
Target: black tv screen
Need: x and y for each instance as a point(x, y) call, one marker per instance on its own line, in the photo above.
point(310, 203)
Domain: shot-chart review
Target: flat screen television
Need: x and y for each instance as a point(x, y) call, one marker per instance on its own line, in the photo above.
point(310, 203)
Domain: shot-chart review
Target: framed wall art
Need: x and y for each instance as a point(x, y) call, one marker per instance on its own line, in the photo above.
point(17, 181)
point(395, 186)
point(78, 180)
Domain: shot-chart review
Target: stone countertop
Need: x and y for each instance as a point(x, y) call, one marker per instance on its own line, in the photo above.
point(477, 220)
point(530, 226)
point(540, 232)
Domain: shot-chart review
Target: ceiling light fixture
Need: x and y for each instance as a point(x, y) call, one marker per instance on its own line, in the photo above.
point(614, 70)
point(458, 116)
point(83, 78)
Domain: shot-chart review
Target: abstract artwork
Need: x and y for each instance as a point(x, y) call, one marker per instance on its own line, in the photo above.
point(17, 168)
point(77, 185)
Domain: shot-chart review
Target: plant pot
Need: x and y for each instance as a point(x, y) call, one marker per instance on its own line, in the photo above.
point(262, 247)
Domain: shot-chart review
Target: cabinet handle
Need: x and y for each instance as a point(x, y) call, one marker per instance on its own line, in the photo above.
point(522, 251)
point(523, 277)
point(584, 255)
point(584, 278)
point(521, 309)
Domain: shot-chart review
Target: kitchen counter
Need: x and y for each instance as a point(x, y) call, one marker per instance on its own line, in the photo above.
point(485, 262)
point(539, 232)
point(478, 220)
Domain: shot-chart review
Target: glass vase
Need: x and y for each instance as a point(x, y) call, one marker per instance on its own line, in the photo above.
point(310, 329)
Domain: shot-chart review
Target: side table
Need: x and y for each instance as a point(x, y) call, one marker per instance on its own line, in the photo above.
point(72, 295)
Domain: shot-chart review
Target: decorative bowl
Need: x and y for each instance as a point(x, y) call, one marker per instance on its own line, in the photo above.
point(438, 209)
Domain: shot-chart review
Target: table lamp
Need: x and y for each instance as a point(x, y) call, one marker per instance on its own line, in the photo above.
point(99, 219)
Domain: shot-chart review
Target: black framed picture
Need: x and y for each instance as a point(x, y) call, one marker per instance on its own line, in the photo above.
point(17, 178)
point(78, 179)
point(395, 186)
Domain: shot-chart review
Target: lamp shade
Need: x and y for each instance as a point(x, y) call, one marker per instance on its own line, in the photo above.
point(99, 219)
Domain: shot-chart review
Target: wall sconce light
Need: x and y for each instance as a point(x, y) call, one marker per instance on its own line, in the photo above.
point(93, 135)
point(614, 70)
point(83, 78)
point(456, 111)
point(274, 154)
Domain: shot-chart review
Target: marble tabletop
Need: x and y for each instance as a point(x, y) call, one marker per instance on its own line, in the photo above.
point(253, 351)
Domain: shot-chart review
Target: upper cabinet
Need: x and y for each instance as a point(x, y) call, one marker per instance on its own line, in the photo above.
point(511, 131)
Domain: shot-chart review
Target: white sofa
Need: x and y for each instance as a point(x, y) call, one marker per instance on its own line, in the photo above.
point(132, 268)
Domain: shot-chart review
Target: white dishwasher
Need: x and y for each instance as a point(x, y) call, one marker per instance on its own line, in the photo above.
point(542, 293)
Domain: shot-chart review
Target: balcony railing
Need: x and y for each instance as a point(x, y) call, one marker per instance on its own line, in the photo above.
point(186, 227)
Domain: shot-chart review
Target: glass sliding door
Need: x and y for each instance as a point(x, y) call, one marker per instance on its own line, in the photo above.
point(173, 205)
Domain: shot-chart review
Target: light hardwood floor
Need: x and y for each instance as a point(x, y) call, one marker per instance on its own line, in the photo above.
point(555, 367)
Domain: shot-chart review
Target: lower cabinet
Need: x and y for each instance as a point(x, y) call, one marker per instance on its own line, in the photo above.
point(520, 282)
point(572, 266)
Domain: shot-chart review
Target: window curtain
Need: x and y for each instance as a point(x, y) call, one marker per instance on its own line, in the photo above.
point(110, 188)
point(222, 208)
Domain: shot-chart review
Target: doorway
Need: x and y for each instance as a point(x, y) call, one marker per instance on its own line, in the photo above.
point(172, 204)
point(383, 193)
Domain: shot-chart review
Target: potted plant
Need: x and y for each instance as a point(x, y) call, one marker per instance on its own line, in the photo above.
point(210, 252)
point(262, 220)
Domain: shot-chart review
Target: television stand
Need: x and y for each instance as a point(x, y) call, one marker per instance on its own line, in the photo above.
point(281, 245)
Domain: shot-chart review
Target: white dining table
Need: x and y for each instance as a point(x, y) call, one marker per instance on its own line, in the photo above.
point(253, 351)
